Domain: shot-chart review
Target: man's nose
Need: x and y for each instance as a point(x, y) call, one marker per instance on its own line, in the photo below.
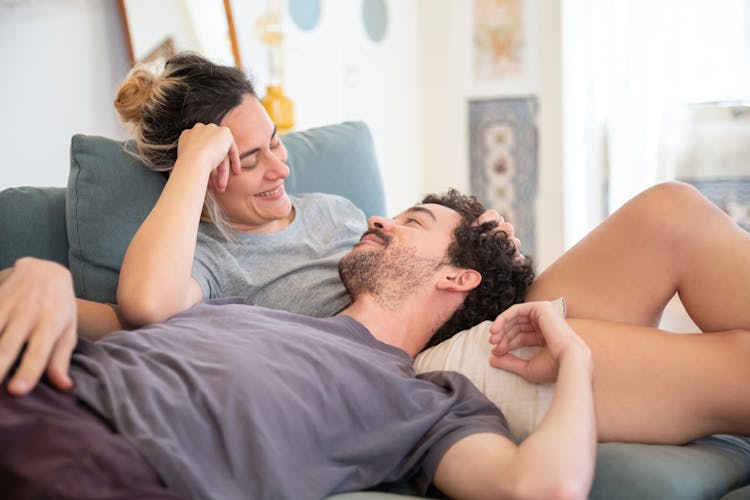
point(379, 222)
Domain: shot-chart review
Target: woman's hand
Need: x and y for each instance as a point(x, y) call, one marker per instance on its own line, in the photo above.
point(534, 324)
point(214, 146)
point(37, 308)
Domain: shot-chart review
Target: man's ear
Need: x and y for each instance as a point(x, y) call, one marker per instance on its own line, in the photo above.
point(460, 280)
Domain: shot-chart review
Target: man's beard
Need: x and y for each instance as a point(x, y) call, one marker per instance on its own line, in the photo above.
point(388, 274)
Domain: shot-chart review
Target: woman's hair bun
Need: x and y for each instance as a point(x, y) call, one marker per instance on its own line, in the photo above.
point(134, 94)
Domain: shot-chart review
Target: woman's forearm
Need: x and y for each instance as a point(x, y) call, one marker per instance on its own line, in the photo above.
point(155, 278)
point(96, 319)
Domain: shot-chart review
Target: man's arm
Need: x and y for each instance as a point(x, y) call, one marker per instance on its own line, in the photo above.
point(557, 459)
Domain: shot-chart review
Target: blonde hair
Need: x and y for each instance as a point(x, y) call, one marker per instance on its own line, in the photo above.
point(156, 102)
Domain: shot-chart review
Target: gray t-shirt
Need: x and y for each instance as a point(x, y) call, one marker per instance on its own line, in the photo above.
point(234, 401)
point(295, 269)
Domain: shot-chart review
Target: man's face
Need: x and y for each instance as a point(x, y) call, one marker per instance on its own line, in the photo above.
point(397, 256)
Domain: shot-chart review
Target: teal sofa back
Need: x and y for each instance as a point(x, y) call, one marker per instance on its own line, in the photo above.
point(32, 223)
point(89, 225)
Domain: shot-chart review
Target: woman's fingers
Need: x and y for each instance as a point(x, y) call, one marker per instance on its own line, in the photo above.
point(234, 158)
point(221, 175)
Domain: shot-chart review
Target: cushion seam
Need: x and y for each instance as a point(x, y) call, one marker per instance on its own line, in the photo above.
point(75, 211)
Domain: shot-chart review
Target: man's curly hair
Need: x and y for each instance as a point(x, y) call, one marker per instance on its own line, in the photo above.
point(505, 277)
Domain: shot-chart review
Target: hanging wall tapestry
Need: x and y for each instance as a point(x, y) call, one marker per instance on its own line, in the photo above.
point(503, 161)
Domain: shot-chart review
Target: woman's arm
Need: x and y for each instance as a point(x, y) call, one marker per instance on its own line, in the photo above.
point(155, 278)
point(557, 459)
point(96, 319)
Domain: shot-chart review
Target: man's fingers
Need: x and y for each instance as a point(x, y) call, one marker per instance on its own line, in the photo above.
point(510, 363)
point(12, 338)
point(488, 216)
point(33, 362)
point(57, 371)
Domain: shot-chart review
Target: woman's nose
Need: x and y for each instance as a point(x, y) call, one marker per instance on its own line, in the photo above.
point(276, 169)
point(379, 222)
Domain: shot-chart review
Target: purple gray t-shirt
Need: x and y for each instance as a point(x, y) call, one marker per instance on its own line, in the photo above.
point(235, 401)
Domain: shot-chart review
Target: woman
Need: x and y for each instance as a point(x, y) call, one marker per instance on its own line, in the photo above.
point(204, 125)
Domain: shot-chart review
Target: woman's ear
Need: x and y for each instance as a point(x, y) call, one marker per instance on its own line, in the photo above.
point(460, 280)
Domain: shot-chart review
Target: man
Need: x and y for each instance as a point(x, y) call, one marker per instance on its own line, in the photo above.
point(227, 400)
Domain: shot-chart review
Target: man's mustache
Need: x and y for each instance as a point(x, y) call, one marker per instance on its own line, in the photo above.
point(384, 238)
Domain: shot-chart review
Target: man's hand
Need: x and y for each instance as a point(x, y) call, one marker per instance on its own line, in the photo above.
point(37, 308)
point(534, 324)
point(506, 227)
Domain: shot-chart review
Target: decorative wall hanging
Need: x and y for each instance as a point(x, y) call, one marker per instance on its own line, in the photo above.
point(502, 47)
point(503, 161)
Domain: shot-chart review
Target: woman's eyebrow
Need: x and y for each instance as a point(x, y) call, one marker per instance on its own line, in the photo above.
point(255, 150)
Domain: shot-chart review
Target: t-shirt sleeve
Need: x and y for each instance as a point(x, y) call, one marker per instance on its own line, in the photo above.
point(206, 266)
point(471, 413)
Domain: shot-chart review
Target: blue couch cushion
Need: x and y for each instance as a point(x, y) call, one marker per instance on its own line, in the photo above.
point(338, 159)
point(110, 192)
point(32, 224)
point(705, 468)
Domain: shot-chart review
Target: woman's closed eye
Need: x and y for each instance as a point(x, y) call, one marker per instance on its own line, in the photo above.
point(249, 162)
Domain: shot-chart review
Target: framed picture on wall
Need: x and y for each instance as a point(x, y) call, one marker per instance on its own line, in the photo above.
point(502, 47)
point(503, 161)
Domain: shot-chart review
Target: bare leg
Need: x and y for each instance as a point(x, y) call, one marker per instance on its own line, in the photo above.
point(659, 387)
point(669, 239)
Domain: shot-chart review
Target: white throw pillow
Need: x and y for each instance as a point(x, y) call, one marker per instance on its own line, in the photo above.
point(523, 403)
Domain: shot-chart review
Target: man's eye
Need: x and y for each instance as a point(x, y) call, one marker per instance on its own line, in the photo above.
point(275, 143)
point(412, 220)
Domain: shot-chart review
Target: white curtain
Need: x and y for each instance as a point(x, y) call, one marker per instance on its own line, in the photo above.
point(628, 65)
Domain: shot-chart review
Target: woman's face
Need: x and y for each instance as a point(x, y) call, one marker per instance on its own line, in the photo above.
point(255, 200)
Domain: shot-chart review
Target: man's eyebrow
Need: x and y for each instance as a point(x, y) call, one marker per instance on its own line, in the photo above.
point(421, 209)
point(255, 150)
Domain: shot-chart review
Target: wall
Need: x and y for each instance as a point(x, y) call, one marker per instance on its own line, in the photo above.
point(63, 61)
point(444, 111)
point(72, 53)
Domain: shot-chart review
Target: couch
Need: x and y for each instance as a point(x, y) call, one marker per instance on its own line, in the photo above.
point(88, 224)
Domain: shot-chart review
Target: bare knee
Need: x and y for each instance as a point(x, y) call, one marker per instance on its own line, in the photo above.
point(671, 196)
point(671, 210)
